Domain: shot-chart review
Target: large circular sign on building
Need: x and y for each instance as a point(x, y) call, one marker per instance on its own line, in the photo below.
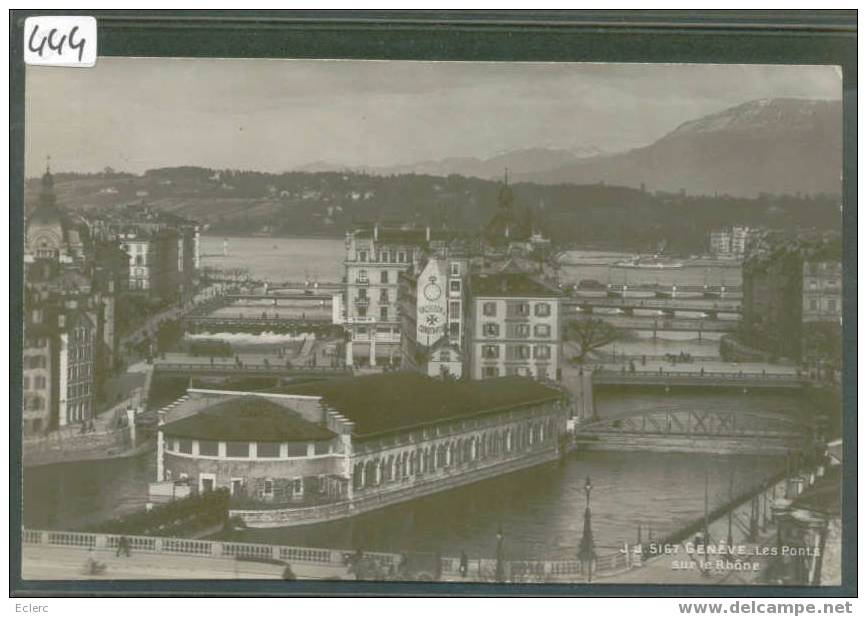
point(432, 291)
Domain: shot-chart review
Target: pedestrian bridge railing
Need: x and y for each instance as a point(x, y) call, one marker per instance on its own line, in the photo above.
point(521, 570)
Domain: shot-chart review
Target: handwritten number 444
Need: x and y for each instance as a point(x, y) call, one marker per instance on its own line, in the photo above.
point(54, 41)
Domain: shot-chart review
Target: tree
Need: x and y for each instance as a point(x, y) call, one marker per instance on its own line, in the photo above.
point(591, 333)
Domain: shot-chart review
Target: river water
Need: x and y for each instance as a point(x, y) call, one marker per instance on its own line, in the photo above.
point(540, 509)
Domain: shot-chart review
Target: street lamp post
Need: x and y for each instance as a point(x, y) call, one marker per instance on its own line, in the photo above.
point(586, 551)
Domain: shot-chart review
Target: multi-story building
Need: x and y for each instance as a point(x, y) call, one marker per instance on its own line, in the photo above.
point(740, 240)
point(720, 242)
point(792, 288)
point(433, 302)
point(375, 258)
point(153, 261)
point(38, 368)
point(514, 321)
point(60, 352)
point(822, 312)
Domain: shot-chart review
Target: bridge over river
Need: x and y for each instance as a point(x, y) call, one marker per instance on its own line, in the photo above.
point(696, 430)
point(700, 377)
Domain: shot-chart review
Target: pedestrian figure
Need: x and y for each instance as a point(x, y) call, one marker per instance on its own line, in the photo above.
point(288, 574)
point(464, 564)
point(122, 547)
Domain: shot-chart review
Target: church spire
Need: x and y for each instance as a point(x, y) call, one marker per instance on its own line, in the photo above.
point(47, 199)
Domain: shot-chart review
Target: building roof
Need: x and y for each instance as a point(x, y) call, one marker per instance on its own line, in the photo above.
point(388, 402)
point(511, 285)
point(247, 418)
point(825, 496)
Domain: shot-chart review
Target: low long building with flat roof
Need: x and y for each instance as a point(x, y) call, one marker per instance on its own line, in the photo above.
point(331, 449)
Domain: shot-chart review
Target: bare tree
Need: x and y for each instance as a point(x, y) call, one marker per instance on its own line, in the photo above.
point(590, 333)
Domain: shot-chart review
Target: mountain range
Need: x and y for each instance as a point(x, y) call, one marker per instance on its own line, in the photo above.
point(776, 146)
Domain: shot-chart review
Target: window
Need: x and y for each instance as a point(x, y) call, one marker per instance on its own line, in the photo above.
point(490, 371)
point(362, 255)
point(297, 487)
point(522, 309)
point(522, 352)
point(268, 488)
point(832, 305)
point(401, 257)
point(522, 330)
point(138, 260)
point(208, 448)
point(321, 447)
point(543, 309)
point(383, 276)
point(444, 356)
point(362, 312)
point(454, 310)
point(238, 449)
point(813, 304)
point(455, 269)
point(297, 448)
point(383, 295)
point(362, 276)
point(267, 449)
point(542, 352)
point(383, 313)
point(362, 294)
point(185, 446)
point(489, 309)
point(455, 286)
point(542, 330)
point(455, 329)
point(491, 329)
point(490, 351)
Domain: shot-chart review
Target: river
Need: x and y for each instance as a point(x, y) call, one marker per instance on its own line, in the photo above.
point(540, 509)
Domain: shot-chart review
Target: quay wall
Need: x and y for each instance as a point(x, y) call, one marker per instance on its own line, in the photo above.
point(54, 448)
point(290, 517)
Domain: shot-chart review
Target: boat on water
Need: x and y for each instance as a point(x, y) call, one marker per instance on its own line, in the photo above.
point(649, 263)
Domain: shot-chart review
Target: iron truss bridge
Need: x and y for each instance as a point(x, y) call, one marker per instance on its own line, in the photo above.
point(694, 423)
point(623, 377)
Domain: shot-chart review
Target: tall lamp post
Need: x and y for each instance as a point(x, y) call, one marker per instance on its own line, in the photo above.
point(586, 550)
point(500, 576)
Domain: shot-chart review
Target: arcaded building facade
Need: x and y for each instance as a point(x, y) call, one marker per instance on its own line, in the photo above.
point(331, 449)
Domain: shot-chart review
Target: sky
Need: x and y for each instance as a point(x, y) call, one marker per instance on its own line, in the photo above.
point(135, 114)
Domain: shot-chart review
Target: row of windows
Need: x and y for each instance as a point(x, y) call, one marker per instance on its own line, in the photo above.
point(491, 329)
point(830, 305)
point(383, 295)
point(450, 454)
point(35, 362)
point(34, 403)
point(522, 371)
point(386, 257)
point(361, 311)
point(244, 449)
point(39, 382)
point(517, 352)
point(521, 309)
point(79, 391)
point(77, 372)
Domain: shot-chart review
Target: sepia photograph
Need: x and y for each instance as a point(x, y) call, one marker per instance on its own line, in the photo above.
point(433, 321)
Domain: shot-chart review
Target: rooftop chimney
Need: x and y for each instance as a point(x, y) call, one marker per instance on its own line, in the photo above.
point(427, 233)
point(376, 231)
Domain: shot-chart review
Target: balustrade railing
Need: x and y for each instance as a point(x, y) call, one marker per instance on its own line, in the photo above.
point(537, 569)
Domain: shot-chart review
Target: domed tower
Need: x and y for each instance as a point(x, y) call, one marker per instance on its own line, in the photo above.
point(45, 229)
